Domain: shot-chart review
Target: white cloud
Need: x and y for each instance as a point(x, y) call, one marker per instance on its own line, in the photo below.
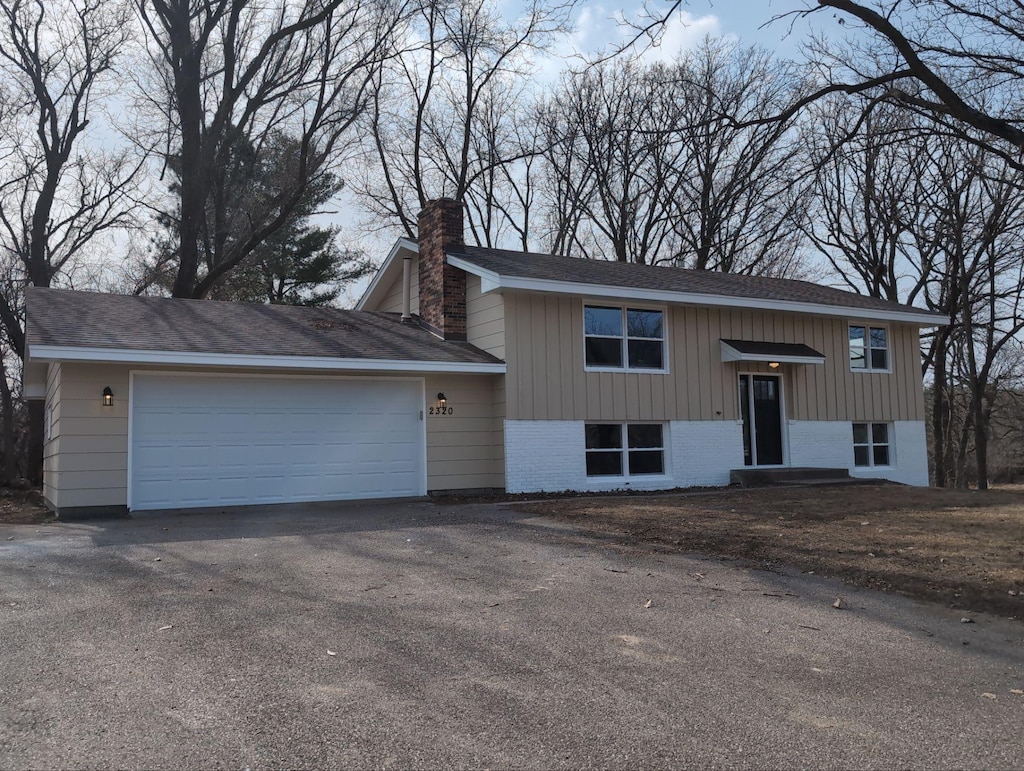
point(599, 30)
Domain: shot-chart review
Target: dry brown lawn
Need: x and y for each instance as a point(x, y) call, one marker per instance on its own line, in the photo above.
point(23, 507)
point(961, 548)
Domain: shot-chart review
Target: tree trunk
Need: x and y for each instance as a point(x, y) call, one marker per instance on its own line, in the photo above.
point(939, 416)
point(34, 455)
point(7, 415)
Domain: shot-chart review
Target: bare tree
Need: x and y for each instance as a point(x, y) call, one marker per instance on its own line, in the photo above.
point(615, 157)
point(647, 163)
point(56, 195)
point(920, 218)
point(744, 188)
point(229, 72)
point(446, 114)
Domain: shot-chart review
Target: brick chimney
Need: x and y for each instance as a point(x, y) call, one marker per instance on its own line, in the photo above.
point(442, 287)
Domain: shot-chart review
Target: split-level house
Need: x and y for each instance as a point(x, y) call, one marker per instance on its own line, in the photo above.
point(466, 368)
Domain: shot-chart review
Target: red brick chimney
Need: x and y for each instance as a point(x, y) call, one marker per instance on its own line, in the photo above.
point(442, 287)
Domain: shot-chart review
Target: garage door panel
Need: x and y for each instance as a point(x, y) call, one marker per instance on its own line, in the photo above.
point(210, 441)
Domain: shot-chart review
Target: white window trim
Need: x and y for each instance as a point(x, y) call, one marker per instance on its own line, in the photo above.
point(890, 434)
point(867, 348)
point(626, 477)
point(622, 308)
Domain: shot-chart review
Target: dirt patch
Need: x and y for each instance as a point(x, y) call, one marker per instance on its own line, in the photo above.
point(23, 507)
point(961, 548)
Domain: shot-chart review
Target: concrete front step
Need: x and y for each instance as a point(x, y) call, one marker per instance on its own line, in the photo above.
point(789, 475)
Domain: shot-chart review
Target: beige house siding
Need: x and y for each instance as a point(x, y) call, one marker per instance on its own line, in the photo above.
point(392, 301)
point(544, 352)
point(51, 444)
point(485, 318)
point(463, 449)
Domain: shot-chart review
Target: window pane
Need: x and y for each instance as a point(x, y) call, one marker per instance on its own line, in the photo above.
point(857, 345)
point(879, 359)
point(646, 462)
point(643, 323)
point(641, 435)
point(604, 352)
point(880, 433)
point(645, 354)
point(603, 436)
point(860, 456)
point(857, 360)
point(860, 433)
point(881, 456)
point(603, 464)
point(878, 338)
point(602, 321)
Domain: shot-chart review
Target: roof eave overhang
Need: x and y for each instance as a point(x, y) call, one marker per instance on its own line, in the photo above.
point(46, 353)
point(385, 274)
point(731, 354)
point(492, 282)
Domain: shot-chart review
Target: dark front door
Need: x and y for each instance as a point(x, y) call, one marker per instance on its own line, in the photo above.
point(761, 408)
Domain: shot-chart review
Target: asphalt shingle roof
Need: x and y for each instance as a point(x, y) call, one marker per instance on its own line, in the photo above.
point(549, 267)
point(92, 320)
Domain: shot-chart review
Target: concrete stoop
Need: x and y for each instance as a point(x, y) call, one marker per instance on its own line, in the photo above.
point(794, 475)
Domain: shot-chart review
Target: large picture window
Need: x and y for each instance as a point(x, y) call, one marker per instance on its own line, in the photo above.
point(642, 454)
point(624, 338)
point(871, 444)
point(869, 348)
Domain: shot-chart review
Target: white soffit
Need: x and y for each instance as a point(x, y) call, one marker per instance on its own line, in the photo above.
point(41, 353)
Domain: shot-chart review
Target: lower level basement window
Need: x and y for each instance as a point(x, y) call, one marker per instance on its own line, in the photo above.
point(642, 453)
point(871, 444)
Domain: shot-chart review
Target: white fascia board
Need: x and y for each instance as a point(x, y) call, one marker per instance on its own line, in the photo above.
point(198, 359)
point(496, 282)
point(379, 282)
point(731, 354)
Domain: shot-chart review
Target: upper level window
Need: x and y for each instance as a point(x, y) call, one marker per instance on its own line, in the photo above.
point(624, 338)
point(869, 348)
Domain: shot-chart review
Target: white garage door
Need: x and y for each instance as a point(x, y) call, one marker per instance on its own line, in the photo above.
point(227, 441)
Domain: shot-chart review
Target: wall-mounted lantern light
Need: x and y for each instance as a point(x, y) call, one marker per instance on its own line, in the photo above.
point(108, 397)
point(773, 365)
point(442, 401)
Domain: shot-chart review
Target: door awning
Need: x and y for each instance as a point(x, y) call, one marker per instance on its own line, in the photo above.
point(783, 353)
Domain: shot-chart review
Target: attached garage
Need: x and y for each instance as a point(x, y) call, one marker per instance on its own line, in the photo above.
point(228, 440)
point(153, 403)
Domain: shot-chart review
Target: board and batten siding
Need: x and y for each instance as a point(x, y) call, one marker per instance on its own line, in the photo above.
point(392, 300)
point(86, 461)
point(547, 379)
point(485, 318)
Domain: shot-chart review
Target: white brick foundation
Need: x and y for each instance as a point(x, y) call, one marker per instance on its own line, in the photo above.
point(829, 444)
point(548, 456)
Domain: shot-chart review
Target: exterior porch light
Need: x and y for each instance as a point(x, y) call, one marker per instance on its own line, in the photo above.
point(441, 399)
point(108, 397)
point(773, 365)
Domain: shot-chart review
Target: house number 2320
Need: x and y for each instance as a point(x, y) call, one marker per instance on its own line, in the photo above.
point(441, 411)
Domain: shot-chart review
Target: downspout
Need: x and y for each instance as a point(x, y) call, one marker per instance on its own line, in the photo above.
point(406, 290)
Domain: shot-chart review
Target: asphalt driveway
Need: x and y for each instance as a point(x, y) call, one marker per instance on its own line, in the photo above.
point(406, 635)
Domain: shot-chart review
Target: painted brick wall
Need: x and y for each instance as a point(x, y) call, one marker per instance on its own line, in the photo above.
point(549, 456)
point(704, 451)
point(442, 288)
point(829, 444)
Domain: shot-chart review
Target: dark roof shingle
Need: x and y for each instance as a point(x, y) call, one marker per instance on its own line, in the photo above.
point(92, 320)
point(548, 267)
